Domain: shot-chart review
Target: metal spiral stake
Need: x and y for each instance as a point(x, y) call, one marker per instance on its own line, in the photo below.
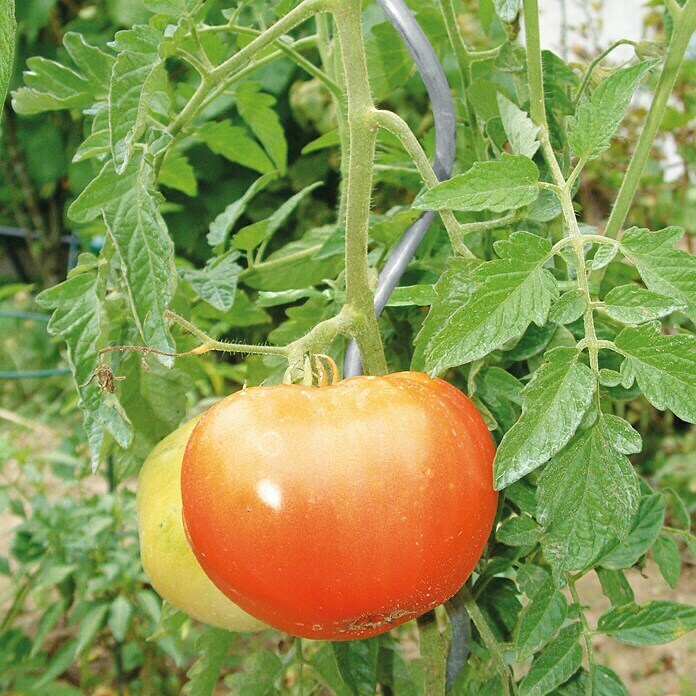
point(433, 76)
point(436, 84)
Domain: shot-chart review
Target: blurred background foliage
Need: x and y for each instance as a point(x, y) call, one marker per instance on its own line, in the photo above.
point(76, 612)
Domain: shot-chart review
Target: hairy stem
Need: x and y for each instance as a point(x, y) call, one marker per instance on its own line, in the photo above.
point(594, 63)
point(479, 620)
point(684, 26)
point(587, 633)
point(398, 127)
point(563, 187)
point(361, 140)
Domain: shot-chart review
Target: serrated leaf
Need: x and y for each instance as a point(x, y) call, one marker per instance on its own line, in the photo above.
point(217, 282)
point(262, 671)
point(624, 437)
point(632, 304)
point(518, 531)
point(559, 661)
point(220, 227)
point(254, 107)
point(579, 517)
point(95, 144)
point(170, 621)
point(598, 117)
point(668, 271)
point(607, 683)
point(357, 663)
point(77, 318)
point(212, 645)
point(50, 86)
point(234, 144)
point(94, 63)
point(645, 527)
point(507, 184)
point(172, 8)
point(569, 307)
point(177, 173)
point(136, 78)
point(540, 620)
point(8, 27)
point(556, 399)
point(501, 299)
point(666, 554)
point(615, 586)
point(653, 623)
point(663, 366)
point(519, 128)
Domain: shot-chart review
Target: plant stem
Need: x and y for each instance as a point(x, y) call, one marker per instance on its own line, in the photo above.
point(398, 127)
point(587, 632)
point(465, 597)
point(538, 114)
point(433, 653)
point(684, 26)
point(361, 138)
point(594, 63)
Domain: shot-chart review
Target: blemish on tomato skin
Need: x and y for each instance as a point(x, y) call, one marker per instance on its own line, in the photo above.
point(368, 622)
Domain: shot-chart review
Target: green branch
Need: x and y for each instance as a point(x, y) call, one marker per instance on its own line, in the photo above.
point(684, 26)
point(361, 149)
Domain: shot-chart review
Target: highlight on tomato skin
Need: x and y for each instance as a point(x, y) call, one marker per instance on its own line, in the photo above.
point(340, 512)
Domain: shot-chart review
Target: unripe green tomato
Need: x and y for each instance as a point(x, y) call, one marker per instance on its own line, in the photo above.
point(166, 556)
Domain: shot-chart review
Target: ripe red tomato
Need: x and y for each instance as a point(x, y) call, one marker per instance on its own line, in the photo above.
point(343, 511)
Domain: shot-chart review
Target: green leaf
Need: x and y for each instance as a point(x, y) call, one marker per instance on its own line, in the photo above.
point(78, 318)
point(131, 213)
point(357, 663)
point(137, 77)
point(624, 438)
point(172, 8)
point(666, 554)
point(490, 305)
point(421, 295)
point(645, 527)
point(330, 139)
point(508, 9)
point(615, 586)
point(50, 86)
point(507, 184)
point(220, 227)
point(668, 271)
point(607, 683)
point(555, 401)
point(663, 366)
point(632, 304)
point(91, 622)
point(389, 63)
point(94, 63)
point(48, 621)
point(579, 516)
point(569, 307)
point(170, 621)
point(8, 27)
point(217, 282)
point(177, 173)
point(540, 620)
point(598, 118)
point(234, 144)
point(653, 623)
point(261, 672)
point(559, 661)
point(212, 645)
point(120, 613)
point(249, 237)
point(518, 531)
point(255, 108)
point(519, 128)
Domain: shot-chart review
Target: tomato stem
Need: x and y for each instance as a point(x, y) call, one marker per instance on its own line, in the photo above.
point(362, 131)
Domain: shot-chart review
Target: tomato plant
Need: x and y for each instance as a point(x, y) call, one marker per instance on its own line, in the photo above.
point(312, 507)
point(259, 185)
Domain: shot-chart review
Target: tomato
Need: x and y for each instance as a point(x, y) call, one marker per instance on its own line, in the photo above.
point(166, 556)
point(340, 512)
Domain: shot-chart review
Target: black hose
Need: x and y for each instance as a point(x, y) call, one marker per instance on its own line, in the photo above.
point(433, 75)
